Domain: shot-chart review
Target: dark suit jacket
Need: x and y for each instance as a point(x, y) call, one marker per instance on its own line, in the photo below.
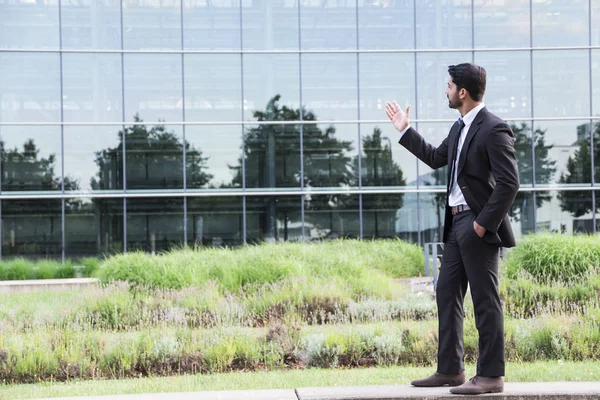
point(487, 172)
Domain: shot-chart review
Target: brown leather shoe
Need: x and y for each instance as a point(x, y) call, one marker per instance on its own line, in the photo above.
point(480, 385)
point(439, 379)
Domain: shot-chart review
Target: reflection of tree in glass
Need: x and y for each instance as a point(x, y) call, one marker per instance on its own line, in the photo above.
point(379, 169)
point(522, 209)
point(579, 170)
point(154, 161)
point(26, 170)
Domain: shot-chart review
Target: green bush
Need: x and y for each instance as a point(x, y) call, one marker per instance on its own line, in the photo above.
point(549, 258)
point(22, 269)
point(365, 265)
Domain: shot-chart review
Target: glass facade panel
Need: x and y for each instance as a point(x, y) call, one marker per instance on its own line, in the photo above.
point(383, 78)
point(562, 153)
point(149, 25)
point(30, 85)
point(329, 89)
point(271, 84)
point(223, 122)
point(28, 24)
point(330, 155)
point(386, 24)
point(273, 218)
point(93, 227)
point(91, 24)
point(508, 82)
point(560, 23)
point(331, 216)
point(31, 158)
point(501, 23)
point(93, 158)
point(444, 24)
point(550, 88)
point(215, 221)
point(153, 87)
point(328, 24)
point(213, 87)
point(154, 157)
point(154, 224)
point(270, 25)
point(92, 88)
point(32, 228)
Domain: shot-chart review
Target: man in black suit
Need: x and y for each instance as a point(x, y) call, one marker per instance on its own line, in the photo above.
point(482, 184)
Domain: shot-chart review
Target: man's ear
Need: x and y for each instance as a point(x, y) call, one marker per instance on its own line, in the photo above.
point(462, 93)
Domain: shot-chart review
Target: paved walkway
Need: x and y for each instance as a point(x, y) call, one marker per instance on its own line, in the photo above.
point(512, 391)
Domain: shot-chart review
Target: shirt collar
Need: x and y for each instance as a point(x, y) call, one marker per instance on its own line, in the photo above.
point(468, 119)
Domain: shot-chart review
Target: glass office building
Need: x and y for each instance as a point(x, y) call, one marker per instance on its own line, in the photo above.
point(147, 124)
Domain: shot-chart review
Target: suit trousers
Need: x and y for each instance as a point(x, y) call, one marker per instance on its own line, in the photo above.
point(469, 260)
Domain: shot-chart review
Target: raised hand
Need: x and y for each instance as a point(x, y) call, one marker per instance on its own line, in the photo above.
point(399, 118)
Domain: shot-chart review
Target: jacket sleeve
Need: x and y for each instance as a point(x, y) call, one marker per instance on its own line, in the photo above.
point(503, 163)
point(435, 157)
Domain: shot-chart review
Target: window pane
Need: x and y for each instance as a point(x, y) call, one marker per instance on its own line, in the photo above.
point(508, 82)
point(386, 25)
point(596, 130)
point(432, 80)
point(595, 80)
point(93, 227)
point(267, 76)
point(91, 24)
point(390, 216)
point(522, 132)
point(272, 155)
point(92, 90)
point(432, 207)
point(384, 162)
point(213, 87)
point(269, 25)
point(31, 158)
point(433, 133)
point(328, 25)
point(152, 25)
point(383, 78)
point(30, 85)
point(330, 155)
point(215, 221)
point(213, 163)
point(552, 95)
point(329, 86)
point(153, 87)
point(562, 153)
point(444, 24)
point(331, 216)
point(560, 23)
point(568, 212)
point(154, 157)
point(29, 24)
point(154, 224)
point(211, 25)
point(522, 212)
point(509, 17)
point(31, 228)
point(93, 157)
point(595, 22)
point(274, 218)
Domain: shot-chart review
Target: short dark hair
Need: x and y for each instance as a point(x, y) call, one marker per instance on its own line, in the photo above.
point(470, 77)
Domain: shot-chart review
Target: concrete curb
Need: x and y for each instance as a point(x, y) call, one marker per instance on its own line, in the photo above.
point(512, 391)
point(45, 284)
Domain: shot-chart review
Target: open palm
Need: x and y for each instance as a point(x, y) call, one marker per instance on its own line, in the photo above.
point(399, 118)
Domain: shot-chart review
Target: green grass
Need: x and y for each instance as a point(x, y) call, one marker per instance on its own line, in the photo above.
point(515, 372)
point(549, 258)
point(365, 265)
point(22, 269)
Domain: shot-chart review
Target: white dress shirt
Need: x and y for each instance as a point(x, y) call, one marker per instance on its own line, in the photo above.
point(456, 196)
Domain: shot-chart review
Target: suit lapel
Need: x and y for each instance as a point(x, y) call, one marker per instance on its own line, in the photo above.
point(452, 148)
point(473, 129)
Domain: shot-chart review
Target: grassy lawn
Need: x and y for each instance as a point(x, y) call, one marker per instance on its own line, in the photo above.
point(516, 372)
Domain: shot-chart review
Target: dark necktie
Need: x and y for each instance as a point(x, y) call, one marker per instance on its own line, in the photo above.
point(461, 125)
